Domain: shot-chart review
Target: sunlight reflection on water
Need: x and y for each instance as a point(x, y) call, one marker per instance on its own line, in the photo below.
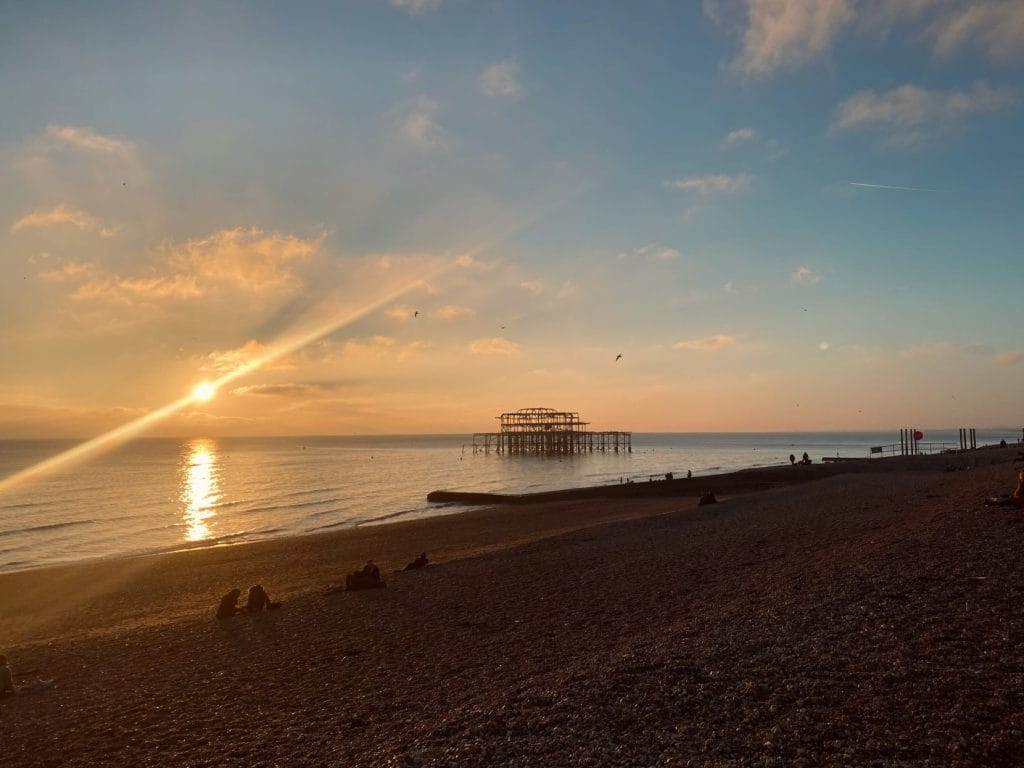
point(200, 489)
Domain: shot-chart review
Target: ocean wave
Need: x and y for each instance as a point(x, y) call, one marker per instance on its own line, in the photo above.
point(48, 527)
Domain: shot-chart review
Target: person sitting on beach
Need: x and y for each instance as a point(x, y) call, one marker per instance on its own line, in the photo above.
point(7, 686)
point(368, 577)
point(419, 562)
point(707, 498)
point(229, 604)
point(1016, 499)
point(259, 600)
point(806, 459)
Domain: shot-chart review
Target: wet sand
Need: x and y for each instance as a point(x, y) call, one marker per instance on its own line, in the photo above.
point(870, 617)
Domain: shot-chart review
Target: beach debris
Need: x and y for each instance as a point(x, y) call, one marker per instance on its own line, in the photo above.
point(419, 562)
point(7, 685)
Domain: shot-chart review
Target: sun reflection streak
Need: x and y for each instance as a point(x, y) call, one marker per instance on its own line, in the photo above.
point(287, 344)
point(200, 489)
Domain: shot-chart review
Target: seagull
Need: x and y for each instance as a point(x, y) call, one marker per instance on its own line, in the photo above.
point(416, 313)
point(618, 357)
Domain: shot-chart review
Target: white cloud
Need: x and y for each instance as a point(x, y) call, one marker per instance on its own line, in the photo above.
point(416, 7)
point(452, 312)
point(804, 275)
point(501, 79)
point(706, 185)
point(652, 251)
point(536, 287)
point(88, 140)
point(63, 214)
point(739, 135)
point(908, 115)
point(996, 27)
point(787, 33)
point(494, 346)
point(708, 344)
point(420, 127)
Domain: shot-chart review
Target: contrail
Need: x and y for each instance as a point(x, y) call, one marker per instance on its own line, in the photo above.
point(888, 186)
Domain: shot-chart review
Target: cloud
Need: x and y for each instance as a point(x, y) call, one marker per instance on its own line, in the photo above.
point(652, 251)
point(739, 135)
point(88, 140)
point(291, 389)
point(536, 287)
point(942, 348)
point(566, 289)
point(782, 34)
point(420, 127)
point(706, 185)
point(708, 344)
point(804, 275)
point(68, 272)
point(416, 7)
point(996, 27)
point(63, 214)
point(501, 79)
point(247, 261)
point(494, 346)
point(452, 312)
point(402, 312)
point(1009, 358)
point(910, 115)
point(227, 360)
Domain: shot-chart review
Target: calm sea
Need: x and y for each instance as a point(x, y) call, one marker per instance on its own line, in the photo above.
point(155, 495)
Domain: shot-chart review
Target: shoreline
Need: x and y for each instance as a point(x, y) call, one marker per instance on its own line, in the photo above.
point(781, 624)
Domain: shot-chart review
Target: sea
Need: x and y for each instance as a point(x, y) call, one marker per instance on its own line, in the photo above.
point(161, 494)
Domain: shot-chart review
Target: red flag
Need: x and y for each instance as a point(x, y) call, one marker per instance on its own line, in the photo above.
point(918, 434)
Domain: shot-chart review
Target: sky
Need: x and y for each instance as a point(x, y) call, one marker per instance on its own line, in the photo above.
point(410, 216)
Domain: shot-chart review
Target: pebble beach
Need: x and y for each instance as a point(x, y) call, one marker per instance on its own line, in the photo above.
point(871, 616)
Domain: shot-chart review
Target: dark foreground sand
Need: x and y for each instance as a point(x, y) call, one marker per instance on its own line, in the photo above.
point(870, 618)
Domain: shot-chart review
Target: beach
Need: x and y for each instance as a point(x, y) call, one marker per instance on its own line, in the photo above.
point(866, 615)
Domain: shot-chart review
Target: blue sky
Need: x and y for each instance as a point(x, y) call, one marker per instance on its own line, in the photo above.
point(686, 184)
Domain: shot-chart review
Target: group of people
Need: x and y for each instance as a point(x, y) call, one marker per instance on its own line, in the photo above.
point(805, 460)
point(257, 601)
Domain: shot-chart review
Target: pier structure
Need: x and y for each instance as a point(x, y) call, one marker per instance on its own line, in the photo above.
point(547, 432)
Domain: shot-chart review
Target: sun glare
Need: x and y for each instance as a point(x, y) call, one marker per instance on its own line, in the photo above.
point(204, 391)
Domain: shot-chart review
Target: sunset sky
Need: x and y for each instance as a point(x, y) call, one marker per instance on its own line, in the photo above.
point(783, 214)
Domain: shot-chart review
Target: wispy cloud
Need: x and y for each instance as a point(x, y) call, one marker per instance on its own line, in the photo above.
point(249, 261)
point(889, 186)
point(942, 348)
point(63, 214)
point(536, 287)
point(416, 7)
point(452, 312)
point(225, 360)
point(401, 313)
point(708, 344)
point(714, 184)
point(652, 251)
point(996, 27)
point(804, 275)
point(290, 389)
point(782, 34)
point(68, 272)
point(494, 346)
point(88, 140)
point(909, 115)
point(420, 127)
point(739, 136)
point(502, 79)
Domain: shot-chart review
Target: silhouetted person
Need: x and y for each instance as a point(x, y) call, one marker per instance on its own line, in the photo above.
point(792, 459)
point(229, 604)
point(259, 600)
point(806, 459)
point(1016, 499)
point(368, 577)
point(689, 474)
point(419, 562)
point(707, 498)
point(6, 678)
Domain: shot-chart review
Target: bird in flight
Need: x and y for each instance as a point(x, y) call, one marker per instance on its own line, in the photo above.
point(416, 313)
point(618, 357)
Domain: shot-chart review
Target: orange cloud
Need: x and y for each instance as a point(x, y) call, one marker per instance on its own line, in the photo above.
point(452, 312)
point(709, 344)
point(494, 346)
point(68, 272)
point(63, 214)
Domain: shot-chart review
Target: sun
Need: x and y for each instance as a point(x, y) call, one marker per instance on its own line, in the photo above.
point(203, 391)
